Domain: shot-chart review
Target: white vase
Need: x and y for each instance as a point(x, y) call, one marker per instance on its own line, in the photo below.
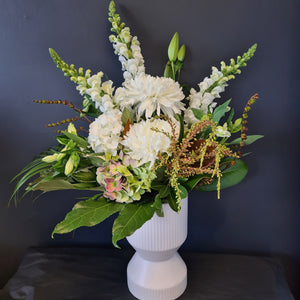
point(156, 271)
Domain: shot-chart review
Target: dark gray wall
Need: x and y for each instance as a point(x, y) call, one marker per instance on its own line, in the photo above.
point(261, 215)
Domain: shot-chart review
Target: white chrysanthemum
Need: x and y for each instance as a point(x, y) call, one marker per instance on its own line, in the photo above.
point(203, 100)
point(143, 143)
point(105, 132)
point(147, 94)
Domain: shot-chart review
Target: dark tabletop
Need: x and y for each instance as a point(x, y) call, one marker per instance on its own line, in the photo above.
point(97, 273)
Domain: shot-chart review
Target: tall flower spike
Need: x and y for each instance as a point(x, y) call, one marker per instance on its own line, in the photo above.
point(244, 128)
point(76, 76)
point(211, 87)
point(126, 47)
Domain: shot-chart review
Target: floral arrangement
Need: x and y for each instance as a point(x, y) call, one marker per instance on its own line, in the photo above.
point(149, 142)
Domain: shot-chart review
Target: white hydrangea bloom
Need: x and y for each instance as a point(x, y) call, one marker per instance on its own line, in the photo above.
point(147, 94)
point(105, 132)
point(143, 144)
point(202, 99)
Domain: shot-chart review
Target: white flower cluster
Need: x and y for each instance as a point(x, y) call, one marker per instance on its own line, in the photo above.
point(147, 94)
point(105, 132)
point(100, 93)
point(130, 57)
point(143, 143)
point(203, 99)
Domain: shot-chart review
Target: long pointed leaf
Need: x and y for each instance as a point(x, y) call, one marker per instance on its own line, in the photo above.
point(231, 176)
point(220, 111)
point(131, 217)
point(250, 139)
point(87, 213)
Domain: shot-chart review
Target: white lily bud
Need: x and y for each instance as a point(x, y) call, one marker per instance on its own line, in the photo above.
point(50, 158)
point(72, 129)
point(69, 166)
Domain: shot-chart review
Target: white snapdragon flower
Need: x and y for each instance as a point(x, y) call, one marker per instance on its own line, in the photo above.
point(105, 132)
point(143, 144)
point(100, 93)
point(130, 56)
point(222, 131)
point(147, 94)
point(107, 87)
point(203, 100)
point(106, 104)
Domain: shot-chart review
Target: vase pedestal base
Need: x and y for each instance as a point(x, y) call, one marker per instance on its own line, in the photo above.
point(157, 279)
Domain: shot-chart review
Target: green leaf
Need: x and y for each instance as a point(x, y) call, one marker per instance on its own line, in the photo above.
point(82, 142)
point(126, 115)
point(183, 192)
point(62, 140)
point(84, 176)
point(168, 71)
point(220, 111)
point(180, 120)
point(231, 176)
point(172, 200)
point(198, 113)
point(52, 185)
point(130, 218)
point(96, 159)
point(164, 191)
point(62, 184)
point(87, 213)
point(32, 169)
point(230, 117)
point(87, 186)
point(158, 206)
point(250, 139)
point(193, 181)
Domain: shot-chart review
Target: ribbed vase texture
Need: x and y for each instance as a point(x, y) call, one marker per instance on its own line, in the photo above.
point(156, 271)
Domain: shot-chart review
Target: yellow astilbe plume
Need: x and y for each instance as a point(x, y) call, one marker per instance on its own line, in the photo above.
point(194, 156)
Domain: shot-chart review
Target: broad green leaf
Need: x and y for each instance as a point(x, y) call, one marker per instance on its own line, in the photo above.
point(126, 115)
point(61, 184)
point(96, 159)
point(158, 206)
point(183, 192)
point(173, 201)
point(84, 176)
point(231, 176)
point(87, 213)
point(250, 139)
point(168, 71)
point(193, 181)
point(164, 191)
point(52, 185)
point(130, 218)
point(220, 111)
point(87, 186)
point(77, 139)
point(198, 113)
